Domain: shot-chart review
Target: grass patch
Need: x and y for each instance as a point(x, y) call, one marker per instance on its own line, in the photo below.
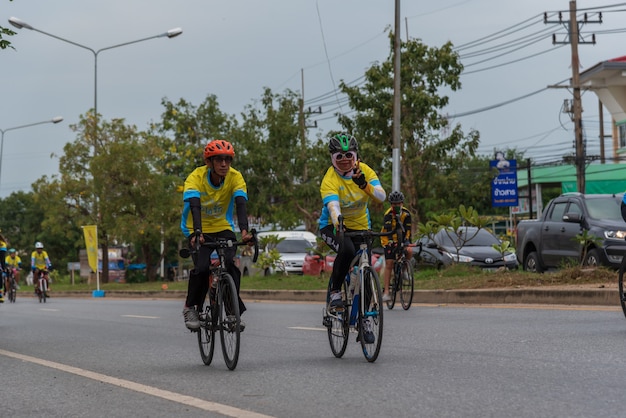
point(466, 277)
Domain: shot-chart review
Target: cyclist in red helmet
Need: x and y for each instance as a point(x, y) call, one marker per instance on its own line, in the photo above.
point(213, 195)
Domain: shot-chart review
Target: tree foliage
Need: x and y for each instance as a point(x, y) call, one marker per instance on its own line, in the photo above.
point(4, 32)
point(434, 154)
point(130, 183)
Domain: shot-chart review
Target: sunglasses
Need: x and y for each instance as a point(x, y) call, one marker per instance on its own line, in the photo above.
point(348, 156)
point(222, 159)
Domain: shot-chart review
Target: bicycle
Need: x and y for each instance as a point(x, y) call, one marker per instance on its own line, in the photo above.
point(11, 285)
point(402, 279)
point(222, 312)
point(42, 286)
point(363, 313)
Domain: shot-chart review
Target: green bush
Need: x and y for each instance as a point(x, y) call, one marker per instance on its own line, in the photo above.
point(135, 276)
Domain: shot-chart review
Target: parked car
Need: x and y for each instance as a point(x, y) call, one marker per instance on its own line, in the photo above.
point(316, 265)
point(293, 249)
point(551, 241)
point(474, 246)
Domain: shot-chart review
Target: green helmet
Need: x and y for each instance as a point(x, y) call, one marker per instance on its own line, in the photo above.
point(342, 142)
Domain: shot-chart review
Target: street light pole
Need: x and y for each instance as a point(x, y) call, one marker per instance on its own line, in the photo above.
point(56, 119)
point(20, 24)
point(172, 33)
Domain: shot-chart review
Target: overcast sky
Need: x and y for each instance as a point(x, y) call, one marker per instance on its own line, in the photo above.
point(235, 48)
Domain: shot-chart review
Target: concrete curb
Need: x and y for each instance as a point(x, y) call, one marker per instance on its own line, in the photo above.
point(545, 296)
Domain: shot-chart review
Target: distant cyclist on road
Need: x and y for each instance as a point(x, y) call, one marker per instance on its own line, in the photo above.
point(347, 189)
point(213, 194)
point(390, 244)
point(14, 262)
point(39, 261)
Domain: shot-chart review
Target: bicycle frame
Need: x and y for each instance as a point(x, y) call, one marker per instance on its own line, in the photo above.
point(361, 259)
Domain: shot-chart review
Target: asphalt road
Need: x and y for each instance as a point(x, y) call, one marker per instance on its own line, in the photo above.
point(118, 358)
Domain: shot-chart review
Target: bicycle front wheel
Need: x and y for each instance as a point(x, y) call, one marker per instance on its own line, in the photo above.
point(370, 315)
point(406, 284)
point(338, 325)
point(229, 320)
point(622, 295)
point(206, 335)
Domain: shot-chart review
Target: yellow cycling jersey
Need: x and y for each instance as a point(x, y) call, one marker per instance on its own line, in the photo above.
point(389, 224)
point(217, 203)
point(13, 261)
point(353, 201)
point(39, 260)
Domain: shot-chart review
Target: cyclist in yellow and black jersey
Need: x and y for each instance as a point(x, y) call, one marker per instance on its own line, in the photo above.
point(390, 223)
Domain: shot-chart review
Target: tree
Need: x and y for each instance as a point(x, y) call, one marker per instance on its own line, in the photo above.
point(433, 152)
point(20, 220)
point(282, 173)
point(283, 170)
point(4, 43)
point(120, 189)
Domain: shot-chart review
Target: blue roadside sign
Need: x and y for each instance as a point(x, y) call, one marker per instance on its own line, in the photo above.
point(504, 185)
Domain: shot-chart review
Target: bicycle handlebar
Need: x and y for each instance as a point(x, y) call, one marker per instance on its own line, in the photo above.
point(368, 233)
point(218, 243)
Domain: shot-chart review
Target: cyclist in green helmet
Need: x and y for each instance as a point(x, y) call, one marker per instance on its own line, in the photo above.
point(347, 188)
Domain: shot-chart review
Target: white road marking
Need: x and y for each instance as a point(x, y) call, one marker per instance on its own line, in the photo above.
point(138, 387)
point(141, 316)
point(308, 328)
point(48, 310)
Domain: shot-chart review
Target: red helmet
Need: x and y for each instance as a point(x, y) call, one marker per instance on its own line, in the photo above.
point(218, 147)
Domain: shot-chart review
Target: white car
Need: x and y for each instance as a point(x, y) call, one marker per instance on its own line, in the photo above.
point(293, 248)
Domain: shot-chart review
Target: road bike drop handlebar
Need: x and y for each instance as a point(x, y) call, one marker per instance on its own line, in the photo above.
point(368, 234)
point(218, 243)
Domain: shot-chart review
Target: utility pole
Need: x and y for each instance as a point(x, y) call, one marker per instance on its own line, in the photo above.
point(601, 114)
point(574, 40)
point(395, 155)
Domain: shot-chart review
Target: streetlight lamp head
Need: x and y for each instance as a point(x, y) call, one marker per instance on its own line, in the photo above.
point(19, 23)
point(172, 33)
point(57, 119)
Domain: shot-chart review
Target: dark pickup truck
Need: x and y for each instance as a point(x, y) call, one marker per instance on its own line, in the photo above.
point(549, 242)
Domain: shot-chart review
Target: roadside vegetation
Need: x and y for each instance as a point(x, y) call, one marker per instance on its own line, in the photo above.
point(282, 163)
point(454, 277)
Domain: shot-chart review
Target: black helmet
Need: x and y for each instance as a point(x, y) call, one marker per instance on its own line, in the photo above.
point(396, 197)
point(342, 143)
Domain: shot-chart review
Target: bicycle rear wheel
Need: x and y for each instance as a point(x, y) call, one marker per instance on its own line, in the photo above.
point(338, 325)
point(370, 315)
point(206, 335)
point(393, 287)
point(622, 295)
point(12, 290)
point(229, 320)
point(406, 284)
